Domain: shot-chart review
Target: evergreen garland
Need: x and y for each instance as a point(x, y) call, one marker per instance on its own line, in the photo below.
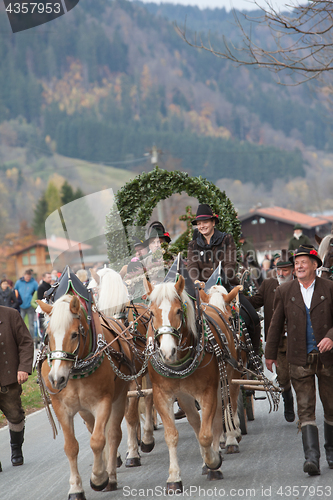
point(136, 201)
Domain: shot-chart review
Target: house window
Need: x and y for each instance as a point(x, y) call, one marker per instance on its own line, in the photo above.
point(33, 259)
point(47, 258)
point(25, 259)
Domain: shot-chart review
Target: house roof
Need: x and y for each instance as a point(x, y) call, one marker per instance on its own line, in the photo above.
point(56, 243)
point(287, 216)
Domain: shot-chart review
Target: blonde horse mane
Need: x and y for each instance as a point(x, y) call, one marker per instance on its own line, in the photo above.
point(61, 317)
point(112, 294)
point(216, 298)
point(168, 292)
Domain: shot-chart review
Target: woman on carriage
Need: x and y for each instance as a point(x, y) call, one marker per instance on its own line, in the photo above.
point(208, 248)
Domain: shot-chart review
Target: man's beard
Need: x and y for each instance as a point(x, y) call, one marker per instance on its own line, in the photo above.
point(285, 279)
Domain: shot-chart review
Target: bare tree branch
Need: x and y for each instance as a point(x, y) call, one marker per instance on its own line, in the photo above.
point(300, 41)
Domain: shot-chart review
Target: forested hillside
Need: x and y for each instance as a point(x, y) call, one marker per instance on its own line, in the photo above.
point(111, 79)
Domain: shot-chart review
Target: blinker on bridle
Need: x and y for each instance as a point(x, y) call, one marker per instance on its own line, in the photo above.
point(68, 356)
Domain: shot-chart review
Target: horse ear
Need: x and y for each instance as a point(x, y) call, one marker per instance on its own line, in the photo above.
point(46, 308)
point(95, 276)
point(203, 296)
point(318, 239)
point(75, 305)
point(148, 286)
point(180, 285)
point(231, 295)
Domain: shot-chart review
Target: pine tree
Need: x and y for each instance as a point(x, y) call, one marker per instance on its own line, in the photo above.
point(40, 214)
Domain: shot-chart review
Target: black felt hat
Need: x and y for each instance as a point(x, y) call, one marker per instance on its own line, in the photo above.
point(308, 250)
point(157, 230)
point(204, 212)
point(139, 242)
point(285, 259)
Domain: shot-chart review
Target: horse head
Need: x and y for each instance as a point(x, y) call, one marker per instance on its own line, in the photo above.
point(67, 329)
point(220, 298)
point(172, 317)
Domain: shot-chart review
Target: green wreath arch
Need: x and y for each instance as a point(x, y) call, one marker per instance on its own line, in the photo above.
point(136, 201)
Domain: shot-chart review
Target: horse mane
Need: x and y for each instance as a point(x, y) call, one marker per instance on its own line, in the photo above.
point(61, 317)
point(113, 296)
point(167, 291)
point(216, 298)
point(324, 245)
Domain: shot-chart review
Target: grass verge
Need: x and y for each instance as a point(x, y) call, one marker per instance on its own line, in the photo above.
point(31, 398)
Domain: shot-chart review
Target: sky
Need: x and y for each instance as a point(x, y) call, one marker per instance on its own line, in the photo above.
point(230, 4)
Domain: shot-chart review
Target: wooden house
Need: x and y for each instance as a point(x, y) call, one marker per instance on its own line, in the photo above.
point(270, 228)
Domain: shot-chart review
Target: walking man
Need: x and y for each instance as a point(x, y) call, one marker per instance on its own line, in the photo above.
point(265, 298)
point(17, 352)
point(306, 305)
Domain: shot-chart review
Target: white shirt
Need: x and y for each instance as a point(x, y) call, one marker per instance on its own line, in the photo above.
point(307, 293)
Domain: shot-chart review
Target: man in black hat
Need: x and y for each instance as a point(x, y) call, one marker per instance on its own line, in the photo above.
point(306, 305)
point(298, 238)
point(153, 262)
point(265, 298)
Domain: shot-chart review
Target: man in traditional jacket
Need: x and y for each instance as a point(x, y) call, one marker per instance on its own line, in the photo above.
point(306, 305)
point(17, 352)
point(265, 298)
point(298, 238)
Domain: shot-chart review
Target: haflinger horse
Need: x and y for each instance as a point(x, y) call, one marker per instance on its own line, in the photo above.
point(113, 300)
point(98, 395)
point(215, 303)
point(183, 366)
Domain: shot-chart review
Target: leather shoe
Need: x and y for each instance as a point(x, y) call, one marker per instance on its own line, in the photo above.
point(180, 414)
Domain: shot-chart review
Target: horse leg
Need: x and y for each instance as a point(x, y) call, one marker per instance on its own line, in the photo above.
point(132, 422)
point(148, 442)
point(114, 435)
point(99, 476)
point(233, 432)
point(208, 403)
point(164, 406)
point(71, 448)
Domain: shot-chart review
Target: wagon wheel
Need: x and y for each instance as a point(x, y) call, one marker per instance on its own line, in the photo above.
point(250, 405)
point(242, 413)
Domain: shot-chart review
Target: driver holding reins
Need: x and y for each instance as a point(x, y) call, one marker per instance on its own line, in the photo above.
point(208, 248)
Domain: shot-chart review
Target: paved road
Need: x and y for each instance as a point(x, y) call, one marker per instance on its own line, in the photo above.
point(268, 466)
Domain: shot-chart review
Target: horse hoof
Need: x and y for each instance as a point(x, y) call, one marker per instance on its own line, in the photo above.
point(77, 496)
point(204, 470)
point(232, 448)
point(119, 462)
point(219, 464)
point(175, 487)
point(133, 462)
point(214, 475)
point(147, 448)
point(110, 486)
point(99, 487)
